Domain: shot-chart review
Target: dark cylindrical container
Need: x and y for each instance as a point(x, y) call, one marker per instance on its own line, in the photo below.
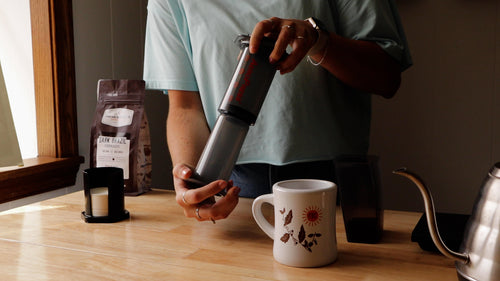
point(358, 178)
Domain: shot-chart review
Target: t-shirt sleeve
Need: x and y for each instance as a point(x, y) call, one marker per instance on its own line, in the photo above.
point(167, 50)
point(376, 21)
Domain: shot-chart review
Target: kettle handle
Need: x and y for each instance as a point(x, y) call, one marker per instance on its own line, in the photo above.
point(431, 216)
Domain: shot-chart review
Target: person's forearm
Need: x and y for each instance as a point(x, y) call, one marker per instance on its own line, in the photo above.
point(360, 64)
point(187, 133)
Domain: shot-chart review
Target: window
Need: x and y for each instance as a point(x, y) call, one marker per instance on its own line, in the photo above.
point(16, 58)
point(53, 60)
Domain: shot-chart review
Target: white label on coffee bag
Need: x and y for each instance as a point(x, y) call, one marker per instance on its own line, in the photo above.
point(117, 117)
point(113, 152)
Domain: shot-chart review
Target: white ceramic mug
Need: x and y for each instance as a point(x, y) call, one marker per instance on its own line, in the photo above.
point(304, 216)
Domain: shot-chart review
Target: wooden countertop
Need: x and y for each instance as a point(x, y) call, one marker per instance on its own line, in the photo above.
point(50, 241)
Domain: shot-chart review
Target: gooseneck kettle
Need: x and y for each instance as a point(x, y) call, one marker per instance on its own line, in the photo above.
point(479, 256)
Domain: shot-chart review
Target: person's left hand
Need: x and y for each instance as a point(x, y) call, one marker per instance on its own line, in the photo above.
point(199, 203)
point(299, 34)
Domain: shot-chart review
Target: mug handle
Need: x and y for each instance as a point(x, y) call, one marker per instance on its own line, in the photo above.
point(259, 217)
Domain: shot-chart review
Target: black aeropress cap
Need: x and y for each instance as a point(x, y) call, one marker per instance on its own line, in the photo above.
point(265, 48)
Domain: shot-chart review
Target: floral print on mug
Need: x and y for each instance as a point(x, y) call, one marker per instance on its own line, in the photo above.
point(311, 216)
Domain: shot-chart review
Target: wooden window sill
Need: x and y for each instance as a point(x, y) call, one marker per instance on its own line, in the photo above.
point(38, 175)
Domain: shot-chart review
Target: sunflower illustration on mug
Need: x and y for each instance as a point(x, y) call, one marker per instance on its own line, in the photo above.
point(311, 216)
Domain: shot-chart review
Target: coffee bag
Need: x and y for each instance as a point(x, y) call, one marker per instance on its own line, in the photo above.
point(120, 133)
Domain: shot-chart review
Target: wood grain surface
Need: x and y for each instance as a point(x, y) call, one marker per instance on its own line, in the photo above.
point(50, 241)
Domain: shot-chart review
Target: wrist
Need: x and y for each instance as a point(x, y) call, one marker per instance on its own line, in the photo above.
point(322, 37)
point(320, 46)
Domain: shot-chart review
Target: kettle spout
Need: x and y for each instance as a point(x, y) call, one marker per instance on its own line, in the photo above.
point(431, 216)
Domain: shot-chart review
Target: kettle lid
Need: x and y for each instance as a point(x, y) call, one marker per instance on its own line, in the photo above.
point(495, 170)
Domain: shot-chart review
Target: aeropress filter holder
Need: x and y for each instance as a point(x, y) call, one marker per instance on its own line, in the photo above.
point(104, 195)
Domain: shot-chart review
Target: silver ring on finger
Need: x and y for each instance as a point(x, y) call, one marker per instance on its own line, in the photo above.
point(299, 37)
point(197, 212)
point(184, 198)
point(287, 26)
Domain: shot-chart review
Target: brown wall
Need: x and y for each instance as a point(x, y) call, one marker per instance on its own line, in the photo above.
point(444, 123)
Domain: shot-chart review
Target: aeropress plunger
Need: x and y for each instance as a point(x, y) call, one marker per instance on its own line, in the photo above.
point(238, 111)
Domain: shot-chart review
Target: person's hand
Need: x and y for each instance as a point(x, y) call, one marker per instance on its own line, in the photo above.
point(193, 201)
point(299, 34)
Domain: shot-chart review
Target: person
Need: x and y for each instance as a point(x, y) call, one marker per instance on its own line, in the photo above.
point(340, 52)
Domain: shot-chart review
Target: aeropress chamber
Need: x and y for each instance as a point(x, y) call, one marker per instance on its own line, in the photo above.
point(238, 111)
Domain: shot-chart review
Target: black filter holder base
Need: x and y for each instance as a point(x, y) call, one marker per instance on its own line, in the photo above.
point(107, 219)
point(109, 177)
point(451, 228)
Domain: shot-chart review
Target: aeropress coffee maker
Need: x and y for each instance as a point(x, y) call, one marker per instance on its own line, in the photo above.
point(238, 111)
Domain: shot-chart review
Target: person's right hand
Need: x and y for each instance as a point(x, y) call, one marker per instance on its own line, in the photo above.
point(298, 34)
point(192, 200)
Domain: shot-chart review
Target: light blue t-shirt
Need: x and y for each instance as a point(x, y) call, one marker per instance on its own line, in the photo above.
point(308, 114)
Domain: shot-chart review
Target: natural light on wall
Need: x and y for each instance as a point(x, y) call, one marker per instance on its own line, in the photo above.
point(16, 60)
